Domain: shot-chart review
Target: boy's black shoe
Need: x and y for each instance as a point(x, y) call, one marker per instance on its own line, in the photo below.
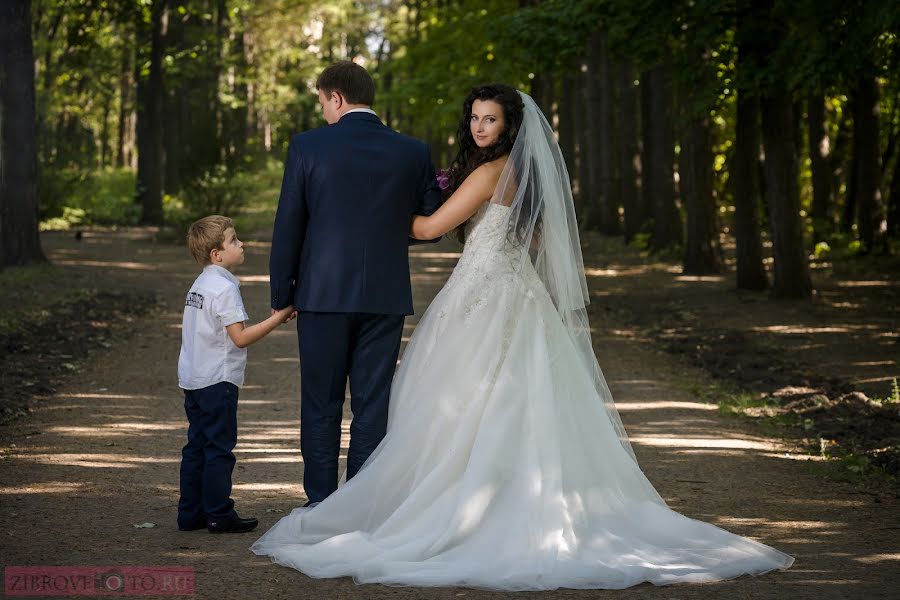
point(233, 525)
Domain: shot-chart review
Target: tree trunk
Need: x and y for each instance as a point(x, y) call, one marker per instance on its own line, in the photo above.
point(19, 239)
point(609, 196)
point(838, 160)
point(867, 161)
point(702, 251)
point(893, 217)
point(45, 146)
point(542, 92)
point(240, 114)
point(585, 193)
point(104, 132)
point(604, 207)
point(568, 106)
point(629, 153)
point(150, 139)
point(592, 124)
point(223, 25)
point(174, 99)
point(172, 129)
point(848, 215)
point(751, 273)
point(819, 152)
point(791, 265)
point(125, 86)
point(658, 159)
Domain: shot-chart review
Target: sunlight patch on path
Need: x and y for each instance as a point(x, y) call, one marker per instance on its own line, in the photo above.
point(101, 461)
point(664, 404)
point(50, 487)
point(877, 558)
point(686, 442)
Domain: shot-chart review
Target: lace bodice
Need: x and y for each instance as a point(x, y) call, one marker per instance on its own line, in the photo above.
point(491, 258)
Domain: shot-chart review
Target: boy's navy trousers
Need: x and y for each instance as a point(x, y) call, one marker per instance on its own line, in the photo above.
point(208, 459)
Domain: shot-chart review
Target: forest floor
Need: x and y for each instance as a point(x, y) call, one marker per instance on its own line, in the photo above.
point(93, 419)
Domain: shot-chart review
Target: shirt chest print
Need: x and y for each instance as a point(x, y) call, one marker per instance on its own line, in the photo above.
point(194, 299)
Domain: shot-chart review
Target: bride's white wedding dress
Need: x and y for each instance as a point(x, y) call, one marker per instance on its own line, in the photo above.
point(503, 466)
point(500, 468)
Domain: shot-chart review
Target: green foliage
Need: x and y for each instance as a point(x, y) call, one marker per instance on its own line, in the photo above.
point(248, 197)
point(822, 250)
point(894, 396)
point(641, 241)
point(258, 210)
point(240, 81)
point(216, 192)
point(438, 54)
point(69, 197)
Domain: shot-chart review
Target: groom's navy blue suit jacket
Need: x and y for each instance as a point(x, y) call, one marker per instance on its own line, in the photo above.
point(340, 240)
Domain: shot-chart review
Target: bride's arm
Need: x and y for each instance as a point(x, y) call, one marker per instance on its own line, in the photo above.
point(474, 191)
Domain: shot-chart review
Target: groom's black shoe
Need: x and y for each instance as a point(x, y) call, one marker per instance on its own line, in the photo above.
point(234, 525)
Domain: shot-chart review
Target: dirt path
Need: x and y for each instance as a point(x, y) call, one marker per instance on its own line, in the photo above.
point(103, 455)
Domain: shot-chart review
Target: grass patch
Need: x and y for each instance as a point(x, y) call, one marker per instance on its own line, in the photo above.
point(845, 461)
point(51, 320)
point(34, 293)
point(250, 202)
point(71, 198)
point(257, 216)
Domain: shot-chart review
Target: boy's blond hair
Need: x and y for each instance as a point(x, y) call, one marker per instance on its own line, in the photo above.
point(207, 234)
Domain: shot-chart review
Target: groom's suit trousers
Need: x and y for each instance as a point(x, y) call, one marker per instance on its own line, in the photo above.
point(335, 347)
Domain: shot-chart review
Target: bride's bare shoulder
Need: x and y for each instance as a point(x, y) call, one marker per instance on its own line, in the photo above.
point(489, 172)
point(496, 165)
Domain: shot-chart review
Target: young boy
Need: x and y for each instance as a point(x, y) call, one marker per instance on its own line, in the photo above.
point(210, 371)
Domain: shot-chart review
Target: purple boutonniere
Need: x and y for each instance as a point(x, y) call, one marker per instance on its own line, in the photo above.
point(443, 179)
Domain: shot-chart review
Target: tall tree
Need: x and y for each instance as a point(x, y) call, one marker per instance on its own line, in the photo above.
point(792, 279)
point(635, 211)
point(702, 251)
point(791, 265)
point(19, 240)
point(867, 160)
point(697, 97)
point(893, 211)
point(174, 123)
point(150, 122)
point(603, 214)
point(658, 158)
point(585, 193)
point(125, 133)
point(568, 107)
point(750, 270)
point(819, 151)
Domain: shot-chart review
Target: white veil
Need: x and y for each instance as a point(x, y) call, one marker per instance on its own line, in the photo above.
point(535, 185)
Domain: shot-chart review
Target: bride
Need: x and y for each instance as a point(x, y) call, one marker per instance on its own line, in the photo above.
point(505, 464)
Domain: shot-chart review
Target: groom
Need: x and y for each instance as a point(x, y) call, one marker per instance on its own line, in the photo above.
point(340, 256)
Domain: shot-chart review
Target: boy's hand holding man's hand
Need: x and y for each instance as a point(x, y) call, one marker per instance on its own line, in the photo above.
point(244, 336)
point(286, 314)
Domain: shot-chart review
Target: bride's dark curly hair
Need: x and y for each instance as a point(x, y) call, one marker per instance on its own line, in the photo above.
point(470, 156)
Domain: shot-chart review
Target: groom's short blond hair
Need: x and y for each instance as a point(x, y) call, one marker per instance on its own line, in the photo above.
point(207, 234)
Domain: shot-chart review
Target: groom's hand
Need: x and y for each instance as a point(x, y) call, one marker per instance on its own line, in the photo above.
point(290, 318)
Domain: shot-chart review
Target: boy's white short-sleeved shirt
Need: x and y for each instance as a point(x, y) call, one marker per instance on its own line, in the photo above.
point(208, 356)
